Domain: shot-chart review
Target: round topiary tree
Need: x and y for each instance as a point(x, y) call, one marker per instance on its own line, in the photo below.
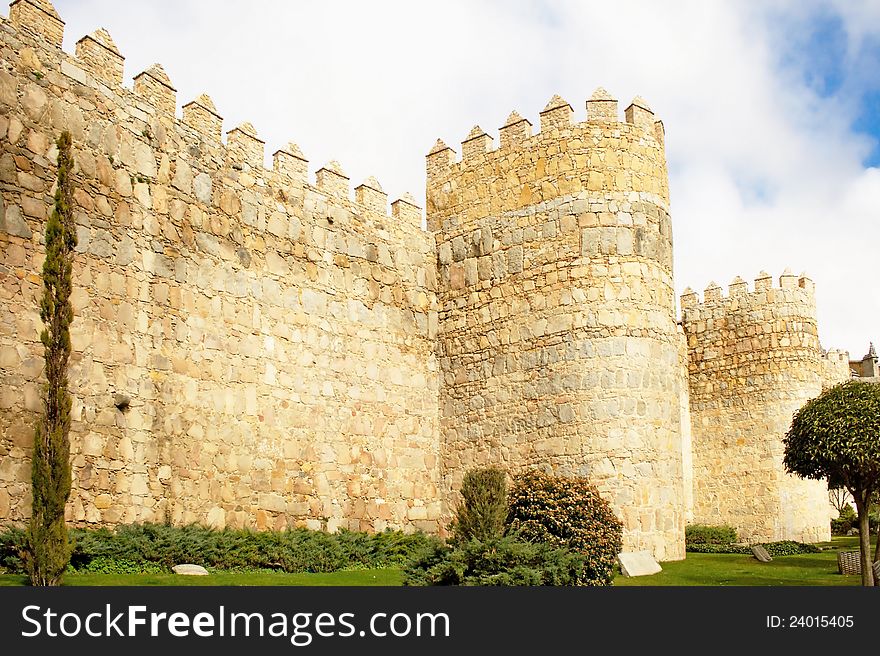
point(836, 437)
point(567, 512)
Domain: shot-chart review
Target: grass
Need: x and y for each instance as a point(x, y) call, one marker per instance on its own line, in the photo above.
point(730, 569)
point(360, 577)
point(818, 569)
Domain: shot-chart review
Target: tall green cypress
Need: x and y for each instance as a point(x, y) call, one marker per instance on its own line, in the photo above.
point(48, 547)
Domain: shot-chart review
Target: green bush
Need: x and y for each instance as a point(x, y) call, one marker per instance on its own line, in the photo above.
point(705, 534)
point(102, 565)
point(13, 541)
point(780, 548)
point(146, 547)
point(848, 513)
point(386, 549)
point(841, 526)
point(482, 511)
point(567, 512)
point(846, 520)
point(501, 561)
point(698, 547)
point(790, 548)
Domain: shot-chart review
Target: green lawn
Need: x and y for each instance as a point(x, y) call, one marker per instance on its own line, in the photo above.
point(696, 569)
point(730, 569)
point(344, 577)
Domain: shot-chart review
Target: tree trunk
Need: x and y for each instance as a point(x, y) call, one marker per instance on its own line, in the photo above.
point(863, 506)
point(877, 550)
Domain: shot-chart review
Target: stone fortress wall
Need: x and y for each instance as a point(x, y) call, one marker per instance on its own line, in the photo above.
point(558, 343)
point(754, 359)
point(255, 349)
point(273, 338)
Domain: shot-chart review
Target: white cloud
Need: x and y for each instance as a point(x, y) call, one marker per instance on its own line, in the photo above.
point(764, 174)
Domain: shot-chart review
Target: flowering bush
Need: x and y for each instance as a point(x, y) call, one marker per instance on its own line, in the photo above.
point(567, 512)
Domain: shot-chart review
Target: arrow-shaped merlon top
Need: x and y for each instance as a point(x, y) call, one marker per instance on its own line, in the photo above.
point(515, 130)
point(38, 17)
point(557, 114)
point(99, 55)
point(370, 194)
point(602, 107)
point(154, 86)
point(243, 146)
point(290, 162)
point(201, 115)
point(475, 144)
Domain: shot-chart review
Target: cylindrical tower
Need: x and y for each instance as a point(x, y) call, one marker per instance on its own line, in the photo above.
point(754, 359)
point(557, 332)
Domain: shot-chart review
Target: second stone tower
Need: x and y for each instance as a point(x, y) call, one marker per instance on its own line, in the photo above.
point(557, 335)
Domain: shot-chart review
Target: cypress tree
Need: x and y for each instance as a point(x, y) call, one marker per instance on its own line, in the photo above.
point(48, 548)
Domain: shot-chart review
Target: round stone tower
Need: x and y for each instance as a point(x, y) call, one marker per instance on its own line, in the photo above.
point(557, 330)
point(754, 359)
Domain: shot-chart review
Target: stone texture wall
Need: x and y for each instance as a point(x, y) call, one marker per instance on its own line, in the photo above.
point(274, 340)
point(835, 367)
point(558, 343)
point(754, 359)
point(252, 349)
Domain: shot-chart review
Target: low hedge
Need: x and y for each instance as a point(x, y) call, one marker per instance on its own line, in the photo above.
point(504, 561)
point(149, 548)
point(780, 548)
point(707, 534)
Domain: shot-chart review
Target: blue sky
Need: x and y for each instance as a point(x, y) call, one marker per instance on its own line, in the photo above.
point(818, 46)
point(771, 108)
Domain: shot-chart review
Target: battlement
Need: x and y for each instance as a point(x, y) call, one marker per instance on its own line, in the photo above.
point(298, 352)
point(600, 154)
point(835, 355)
point(556, 118)
point(729, 336)
point(791, 288)
point(38, 17)
point(275, 336)
point(753, 359)
point(99, 64)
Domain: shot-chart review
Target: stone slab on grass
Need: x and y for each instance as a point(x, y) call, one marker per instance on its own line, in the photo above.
point(638, 563)
point(188, 569)
point(761, 553)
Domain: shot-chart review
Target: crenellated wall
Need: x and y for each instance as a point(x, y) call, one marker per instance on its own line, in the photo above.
point(754, 359)
point(835, 364)
point(558, 342)
point(274, 339)
point(254, 348)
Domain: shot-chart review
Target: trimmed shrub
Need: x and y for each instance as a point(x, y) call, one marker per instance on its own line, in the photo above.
point(386, 549)
point(498, 561)
point(103, 565)
point(706, 534)
point(482, 510)
point(841, 526)
point(848, 513)
point(567, 512)
point(13, 541)
point(780, 548)
point(149, 548)
point(846, 520)
point(790, 548)
point(698, 547)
